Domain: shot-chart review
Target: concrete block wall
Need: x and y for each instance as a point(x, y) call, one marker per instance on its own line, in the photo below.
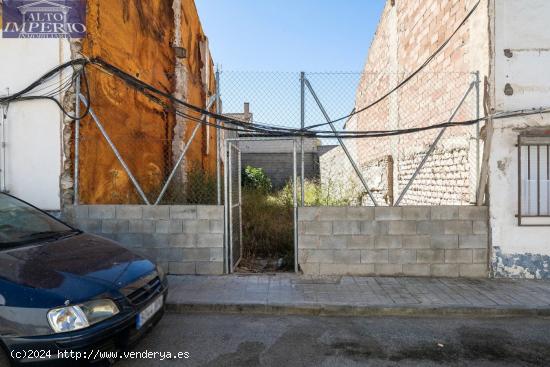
point(439, 241)
point(183, 239)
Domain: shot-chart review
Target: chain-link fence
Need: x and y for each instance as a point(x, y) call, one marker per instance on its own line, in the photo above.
point(429, 167)
point(175, 160)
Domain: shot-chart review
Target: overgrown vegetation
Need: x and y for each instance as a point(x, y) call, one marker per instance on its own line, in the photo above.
point(255, 179)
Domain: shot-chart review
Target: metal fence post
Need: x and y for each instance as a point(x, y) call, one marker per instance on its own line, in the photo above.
point(295, 204)
point(303, 125)
point(76, 141)
point(341, 142)
point(432, 147)
point(478, 129)
point(218, 141)
point(226, 211)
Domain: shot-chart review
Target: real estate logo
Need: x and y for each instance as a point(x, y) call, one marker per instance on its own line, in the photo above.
point(44, 18)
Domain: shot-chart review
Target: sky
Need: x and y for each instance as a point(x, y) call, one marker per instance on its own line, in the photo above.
point(290, 35)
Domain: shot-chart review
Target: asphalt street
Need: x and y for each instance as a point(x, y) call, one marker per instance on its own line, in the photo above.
point(247, 340)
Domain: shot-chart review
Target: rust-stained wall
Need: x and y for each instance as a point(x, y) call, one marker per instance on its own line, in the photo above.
point(140, 38)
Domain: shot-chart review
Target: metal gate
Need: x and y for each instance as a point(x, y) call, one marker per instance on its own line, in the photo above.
point(233, 201)
point(233, 205)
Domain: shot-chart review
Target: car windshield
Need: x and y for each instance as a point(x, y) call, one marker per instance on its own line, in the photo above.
point(20, 223)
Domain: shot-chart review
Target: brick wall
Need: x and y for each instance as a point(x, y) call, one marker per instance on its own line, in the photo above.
point(408, 32)
point(444, 241)
point(183, 239)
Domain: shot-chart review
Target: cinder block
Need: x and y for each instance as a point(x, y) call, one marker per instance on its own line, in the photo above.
point(169, 226)
point(114, 226)
point(333, 242)
point(480, 256)
point(445, 241)
point(473, 241)
point(346, 269)
point(346, 227)
point(141, 226)
point(308, 213)
point(171, 254)
point(216, 226)
point(373, 227)
point(329, 213)
point(156, 240)
point(417, 241)
point(458, 227)
point(416, 270)
point(183, 212)
point(387, 213)
point(195, 254)
point(388, 242)
point(473, 213)
point(430, 227)
point(444, 212)
point(400, 256)
point(181, 268)
point(374, 256)
point(316, 256)
point(360, 213)
point(156, 212)
point(80, 211)
point(183, 240)
point(129, 212)
point(210, 240)
point(308, 242)
point(444, 270)
point(216, 254)
point(430, 256)
point(213, 212)
point(473, 270)
point(310, 268)
point(454, 256)
point(130, 239)
point(196, 226)
point(388, 269)
point(480, 227)
point(360, 242)
point(209, 267)
point(90, 225)
point(347, 257)
point(402, 227)
point(101, 212)
point(317, 228)
point(416, 213)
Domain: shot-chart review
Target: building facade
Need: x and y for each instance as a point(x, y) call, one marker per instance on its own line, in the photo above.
point(493, 64)
point(160, 43)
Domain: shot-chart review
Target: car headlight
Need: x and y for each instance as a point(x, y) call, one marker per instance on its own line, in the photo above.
point(80, 316)
point(160, 272)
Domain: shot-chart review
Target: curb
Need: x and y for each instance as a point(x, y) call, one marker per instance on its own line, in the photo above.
point(335, 310)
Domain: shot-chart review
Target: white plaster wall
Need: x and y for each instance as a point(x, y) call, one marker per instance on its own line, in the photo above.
point(521, 27)
point(33, 128)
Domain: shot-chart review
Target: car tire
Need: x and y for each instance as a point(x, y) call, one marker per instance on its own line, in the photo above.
point(4, 360)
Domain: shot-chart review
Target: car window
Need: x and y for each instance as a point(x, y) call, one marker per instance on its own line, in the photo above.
point(21, 223)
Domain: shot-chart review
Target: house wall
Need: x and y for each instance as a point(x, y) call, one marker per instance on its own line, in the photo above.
point(184, 239)
point(32, 129)
point(521, 29)
point(141, 37)
point(408, 33)
point(443, 241)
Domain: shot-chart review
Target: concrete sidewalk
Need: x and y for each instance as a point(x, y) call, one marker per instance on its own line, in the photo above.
point(293, 294)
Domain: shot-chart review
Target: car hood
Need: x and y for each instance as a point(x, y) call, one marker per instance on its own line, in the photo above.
point(72, 269)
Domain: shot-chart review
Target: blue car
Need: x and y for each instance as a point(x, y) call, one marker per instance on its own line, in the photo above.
point(65, 294)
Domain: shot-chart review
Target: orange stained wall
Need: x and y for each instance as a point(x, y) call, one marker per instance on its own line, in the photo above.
point(138, 37)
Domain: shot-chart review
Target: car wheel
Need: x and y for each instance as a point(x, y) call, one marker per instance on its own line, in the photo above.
point(4, 360)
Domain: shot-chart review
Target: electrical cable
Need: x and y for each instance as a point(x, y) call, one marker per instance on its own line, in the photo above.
point(407, 79)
